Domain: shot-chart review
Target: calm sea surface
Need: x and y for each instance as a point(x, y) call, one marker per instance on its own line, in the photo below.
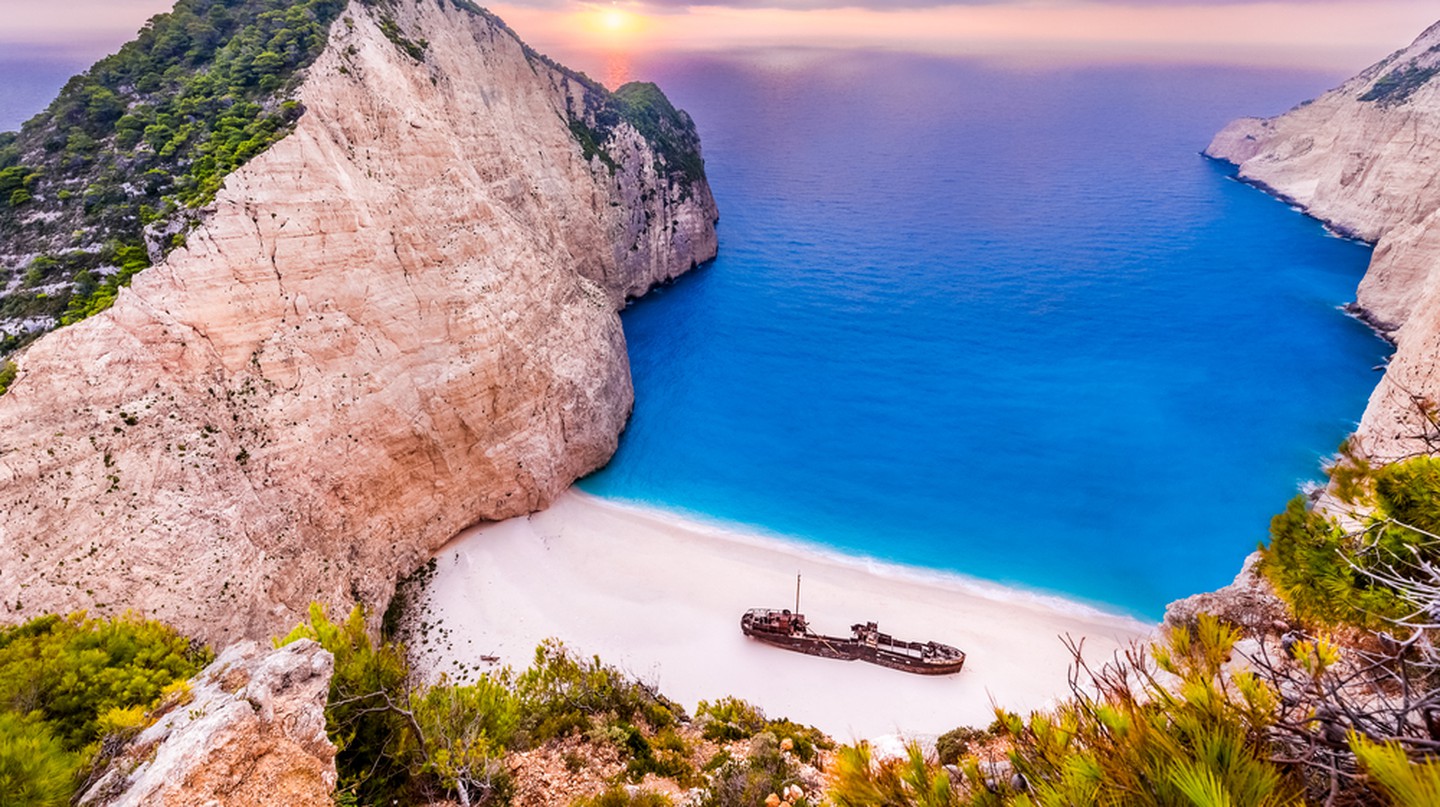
point(1007, 323)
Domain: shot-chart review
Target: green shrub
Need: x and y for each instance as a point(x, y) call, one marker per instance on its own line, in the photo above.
point(376, 750)
point(1331, 577)
point(36, 770)
point(767, 769)
point(1402, 781)
point(400, 742)
point(66, 683)
point(1398, 85)
point(561, 694)
point(1409, 493)
point(665, 755)
point(1202, 739)
point(863, 781)
point(8, 371)
point(70, 671)
point(1313, 566)
point(730, 719)
point(954, 744)
point(620, 796)
point(465, 731)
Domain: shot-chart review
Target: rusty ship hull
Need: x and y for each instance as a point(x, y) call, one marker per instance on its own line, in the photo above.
point(790, 631)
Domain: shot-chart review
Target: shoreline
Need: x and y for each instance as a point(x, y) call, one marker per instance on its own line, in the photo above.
point(660, 595)
point(759, 537)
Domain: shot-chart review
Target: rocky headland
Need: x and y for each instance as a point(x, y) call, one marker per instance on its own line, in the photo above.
point(398, 320)
point(1363, 158)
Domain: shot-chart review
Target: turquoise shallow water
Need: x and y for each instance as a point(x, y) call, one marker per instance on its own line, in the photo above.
point(1006, 323)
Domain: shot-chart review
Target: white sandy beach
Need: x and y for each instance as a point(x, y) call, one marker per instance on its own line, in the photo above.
point(661, 597)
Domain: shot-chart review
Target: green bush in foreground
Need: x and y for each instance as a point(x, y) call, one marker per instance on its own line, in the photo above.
point(66, 683)
point(1124, 739)
point(402, 742)
point(1309, 561)
point(863, 781)
point(72, 671)
point(951, 746)
point(561, 694)
point(768, 769)
point(1404, 782)
point(35, 768)
point(1330, 576)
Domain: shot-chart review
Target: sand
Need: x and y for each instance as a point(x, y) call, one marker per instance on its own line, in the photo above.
point(661, 596)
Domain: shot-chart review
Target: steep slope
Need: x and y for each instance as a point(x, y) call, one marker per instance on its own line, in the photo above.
point(1365, 158)
point(104, 181)
point(396, 321)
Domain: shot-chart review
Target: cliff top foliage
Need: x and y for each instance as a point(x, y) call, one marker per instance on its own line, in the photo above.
point(96, 186)
point(110, 176)
point(70, 684)
point(643, 105)
point(1366, 575)
point(1396, 86)
point(402, 740)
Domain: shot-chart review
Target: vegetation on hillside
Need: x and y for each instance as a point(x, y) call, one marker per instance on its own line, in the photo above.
point(1357, 575)
point(644, 106)
point(71, 687)
point(111, 175)
point(403, 740)
point(1396, 86)
point(139, 138)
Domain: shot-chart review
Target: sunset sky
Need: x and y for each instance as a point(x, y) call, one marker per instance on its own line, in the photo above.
point(1338, 36)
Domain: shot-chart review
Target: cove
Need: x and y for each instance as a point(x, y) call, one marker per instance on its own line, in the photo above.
point(996, 321)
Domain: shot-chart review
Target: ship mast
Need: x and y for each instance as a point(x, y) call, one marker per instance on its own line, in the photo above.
point(797, 592)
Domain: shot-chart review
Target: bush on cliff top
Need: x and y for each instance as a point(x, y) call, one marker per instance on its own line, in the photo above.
point(1331, 576)
point(141, 136)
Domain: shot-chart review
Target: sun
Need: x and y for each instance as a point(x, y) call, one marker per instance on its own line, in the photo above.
point(616, 19)
point(613, 22)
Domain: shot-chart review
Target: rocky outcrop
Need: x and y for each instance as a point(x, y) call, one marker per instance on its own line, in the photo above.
point(1365, 158)
point(1250, 603)
point(399, 320)
point(252, 732)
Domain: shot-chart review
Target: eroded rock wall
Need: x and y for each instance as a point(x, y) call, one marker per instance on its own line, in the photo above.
point(1365, 158)
point(399, 320)
point(251, 730)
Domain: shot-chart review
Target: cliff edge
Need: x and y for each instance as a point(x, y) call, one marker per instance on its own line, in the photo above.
point(1365, 158)
point(399, 319)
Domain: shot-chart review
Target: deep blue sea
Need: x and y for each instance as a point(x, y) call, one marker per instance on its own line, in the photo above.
point(1001, 322)
point(1008, 323)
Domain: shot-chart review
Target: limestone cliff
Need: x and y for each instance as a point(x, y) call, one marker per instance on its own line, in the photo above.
point(252, 731)
point(1365, 158)
point(398, 320)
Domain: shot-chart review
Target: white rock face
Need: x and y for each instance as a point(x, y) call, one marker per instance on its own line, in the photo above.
point(1365, 157)
point(398, 321)
point(253, 733)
